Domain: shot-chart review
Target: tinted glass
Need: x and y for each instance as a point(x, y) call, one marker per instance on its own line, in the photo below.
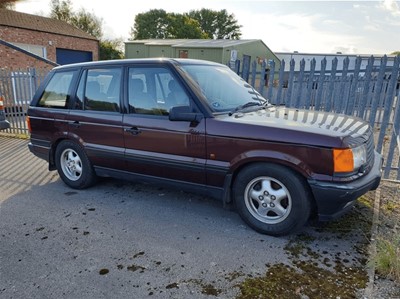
point(56, 93)
point(154, 91)
point(99, 89)
point(223, 89)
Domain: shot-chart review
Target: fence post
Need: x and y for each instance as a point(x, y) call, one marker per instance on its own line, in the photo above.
point(377, 91)
point(329, 98)
point(271, 80)
point(353, 87)
point(300, 80)
point(253, 73)
point(310, 86)
point(365, 97)
point(394, 139)
point(280, 80)
point(288, 100)
point(341, 101)
point(388, 102)
point(262, 79)
point(320, 86)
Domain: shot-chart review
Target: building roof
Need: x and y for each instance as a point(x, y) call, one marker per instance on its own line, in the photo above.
point(194, 43)
point(16, 19)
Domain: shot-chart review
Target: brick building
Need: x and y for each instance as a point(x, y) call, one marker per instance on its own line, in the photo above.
point(34, 41)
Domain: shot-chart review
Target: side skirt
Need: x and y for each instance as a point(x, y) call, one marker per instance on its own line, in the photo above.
point(211, 191)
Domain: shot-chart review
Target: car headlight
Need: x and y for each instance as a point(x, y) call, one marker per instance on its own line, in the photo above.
point(349, 159)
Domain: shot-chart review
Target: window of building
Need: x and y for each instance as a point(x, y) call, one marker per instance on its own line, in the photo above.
point(35, 49)
point(183, 53)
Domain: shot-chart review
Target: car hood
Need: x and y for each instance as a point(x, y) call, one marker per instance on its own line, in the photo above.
point(297, 126)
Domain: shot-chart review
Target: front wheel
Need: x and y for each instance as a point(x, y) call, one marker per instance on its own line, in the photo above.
point(73, 165)
point(272, 199)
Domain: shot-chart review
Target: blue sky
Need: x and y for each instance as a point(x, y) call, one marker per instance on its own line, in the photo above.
point(350, 27)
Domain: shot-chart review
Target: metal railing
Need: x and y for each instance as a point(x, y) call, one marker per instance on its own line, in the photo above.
point(371, 93)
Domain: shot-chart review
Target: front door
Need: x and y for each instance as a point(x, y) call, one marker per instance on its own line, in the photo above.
point(156, 146)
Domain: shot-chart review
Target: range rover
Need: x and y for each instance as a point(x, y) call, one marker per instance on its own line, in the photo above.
point(197, 126)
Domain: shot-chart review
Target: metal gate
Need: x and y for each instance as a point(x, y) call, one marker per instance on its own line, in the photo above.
point(17, 88)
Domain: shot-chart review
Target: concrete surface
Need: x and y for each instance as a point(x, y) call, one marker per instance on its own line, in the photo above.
point(127, 240)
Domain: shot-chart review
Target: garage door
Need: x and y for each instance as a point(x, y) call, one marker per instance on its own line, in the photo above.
point(66, 56)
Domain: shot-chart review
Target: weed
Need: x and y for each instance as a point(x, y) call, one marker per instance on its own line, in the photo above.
point(387, 257)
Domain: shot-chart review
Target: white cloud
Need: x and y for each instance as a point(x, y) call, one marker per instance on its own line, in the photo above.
point(315, 27)
point(299, 32)
point(392, 6)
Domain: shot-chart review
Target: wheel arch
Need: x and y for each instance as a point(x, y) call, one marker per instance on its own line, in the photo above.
point(292, 163)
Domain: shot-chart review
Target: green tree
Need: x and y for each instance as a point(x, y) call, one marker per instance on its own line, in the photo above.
point(204, 23)
point(110, 49)
point(217, 24)
point(8, 4)
point(397, 53)
point(182, 26)
point(88, 22)
point(152, 24)
point(61, 10)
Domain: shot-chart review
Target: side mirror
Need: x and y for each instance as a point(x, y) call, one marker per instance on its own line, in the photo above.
point(184, 113)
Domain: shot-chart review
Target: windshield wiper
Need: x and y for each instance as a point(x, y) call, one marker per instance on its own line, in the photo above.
point(244, 106)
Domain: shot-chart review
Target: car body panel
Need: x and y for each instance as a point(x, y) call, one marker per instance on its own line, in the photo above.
point(174, 150)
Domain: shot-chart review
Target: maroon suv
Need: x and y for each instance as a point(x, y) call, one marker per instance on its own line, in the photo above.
point(197, 126)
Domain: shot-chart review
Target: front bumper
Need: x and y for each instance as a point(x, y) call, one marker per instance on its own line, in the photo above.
point(334, 199)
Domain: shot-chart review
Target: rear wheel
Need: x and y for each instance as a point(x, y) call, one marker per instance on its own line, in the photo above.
point(73, 165)
point(272, 199)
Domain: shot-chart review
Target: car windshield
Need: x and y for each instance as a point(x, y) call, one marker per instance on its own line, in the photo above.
point(224, 90)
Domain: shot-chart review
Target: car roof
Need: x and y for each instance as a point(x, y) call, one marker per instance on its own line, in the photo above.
point(121, 62)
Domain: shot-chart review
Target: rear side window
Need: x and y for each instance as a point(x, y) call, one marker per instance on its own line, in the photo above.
point(56, 93)
point(99, 90)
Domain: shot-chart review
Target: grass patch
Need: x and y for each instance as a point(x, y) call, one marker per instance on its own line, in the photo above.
point(304, 281)
point(14, 135)
point(387, 257)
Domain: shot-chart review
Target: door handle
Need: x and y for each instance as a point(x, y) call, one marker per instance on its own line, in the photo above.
point(133, 130)
point(75, 124)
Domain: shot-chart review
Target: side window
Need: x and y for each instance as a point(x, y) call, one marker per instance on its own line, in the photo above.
point(56, 93)
point(154, 91)
point(99, 90)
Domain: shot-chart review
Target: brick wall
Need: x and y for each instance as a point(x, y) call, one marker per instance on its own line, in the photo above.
point(13, 59)
point(10, 58)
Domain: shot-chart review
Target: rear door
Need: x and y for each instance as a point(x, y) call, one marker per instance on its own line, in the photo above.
point(156, 146)
point(50, 109)
point(95, 121)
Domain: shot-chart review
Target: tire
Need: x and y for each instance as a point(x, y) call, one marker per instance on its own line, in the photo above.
point(272, 199)
point(73, 165)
